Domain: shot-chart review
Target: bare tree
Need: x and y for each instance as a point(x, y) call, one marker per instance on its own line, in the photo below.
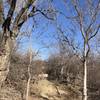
point(10, 24)
point(86, 16)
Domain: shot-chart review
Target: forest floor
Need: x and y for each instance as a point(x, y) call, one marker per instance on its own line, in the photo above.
point(43, 90)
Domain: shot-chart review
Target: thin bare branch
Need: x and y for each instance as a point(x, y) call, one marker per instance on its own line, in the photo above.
point(31, 14)
point(45, 15)
point(67, 17)
point(70, 44)
point(93, 19)
point(95, 33)
point(80, 17)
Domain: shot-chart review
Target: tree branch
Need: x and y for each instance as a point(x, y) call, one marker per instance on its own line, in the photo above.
point(20, 14)
point(7, 21)
point(67, 17)
point(12, 8)
point(16, 23)
point(45, 15)
point(95, 33)
point(70, 44)
point(93, 19)
point(31, 14)
point(79, 13)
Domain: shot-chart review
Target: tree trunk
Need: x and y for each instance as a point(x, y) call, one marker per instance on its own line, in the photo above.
point(5, 61)
point(62, 73)
point(29, 72)
point(28, 88)
point(85, 73)
point(1, 10)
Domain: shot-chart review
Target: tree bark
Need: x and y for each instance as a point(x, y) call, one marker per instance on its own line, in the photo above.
point(1, 12)
point(85, 73)
point(28, 86)
point(5, 61)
